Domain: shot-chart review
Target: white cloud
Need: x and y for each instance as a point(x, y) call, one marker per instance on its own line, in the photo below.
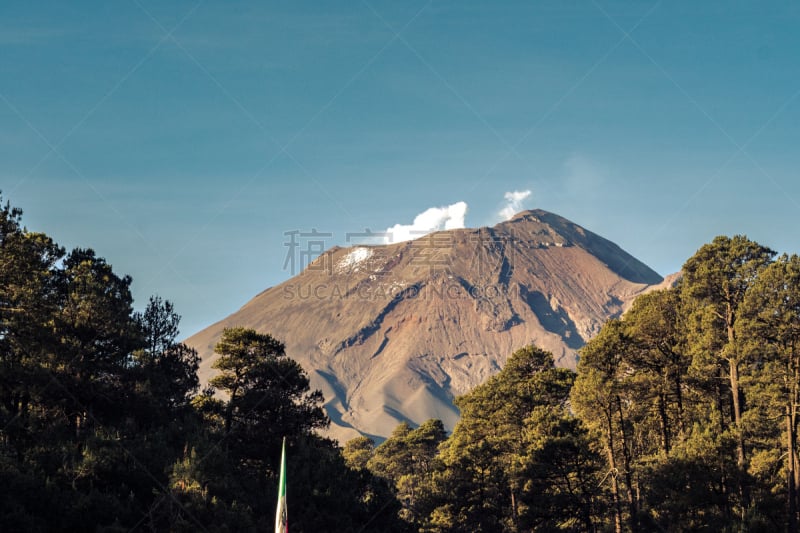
point(430, 220)
point(514, 203)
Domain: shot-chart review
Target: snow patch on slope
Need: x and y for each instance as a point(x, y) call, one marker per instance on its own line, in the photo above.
point(352, 260)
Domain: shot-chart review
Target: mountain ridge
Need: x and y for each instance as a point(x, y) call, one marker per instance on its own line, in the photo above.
point(630, 267)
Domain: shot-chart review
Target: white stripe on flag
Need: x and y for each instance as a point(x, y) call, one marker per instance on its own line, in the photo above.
point(281, 520)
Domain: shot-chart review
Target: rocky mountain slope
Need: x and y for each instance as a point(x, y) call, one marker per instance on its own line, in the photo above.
point(394, 332)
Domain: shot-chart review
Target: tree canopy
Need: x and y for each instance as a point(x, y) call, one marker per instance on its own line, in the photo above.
point(102, 426)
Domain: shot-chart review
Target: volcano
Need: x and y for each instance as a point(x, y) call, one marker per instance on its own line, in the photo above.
point(394, 332)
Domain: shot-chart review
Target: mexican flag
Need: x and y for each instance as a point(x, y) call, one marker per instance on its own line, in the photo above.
point(281, 522)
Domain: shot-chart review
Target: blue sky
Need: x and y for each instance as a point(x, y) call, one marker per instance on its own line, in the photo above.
point(181, 140)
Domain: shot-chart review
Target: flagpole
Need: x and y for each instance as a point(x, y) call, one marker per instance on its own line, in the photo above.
point(281, 520)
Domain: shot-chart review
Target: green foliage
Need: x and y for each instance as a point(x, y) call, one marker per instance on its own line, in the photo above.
point(407, 460)
point(357, 452)
point(80, 427)
point(517, 460)
point(102, 427)
point(267, 398)
point(693, 395)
